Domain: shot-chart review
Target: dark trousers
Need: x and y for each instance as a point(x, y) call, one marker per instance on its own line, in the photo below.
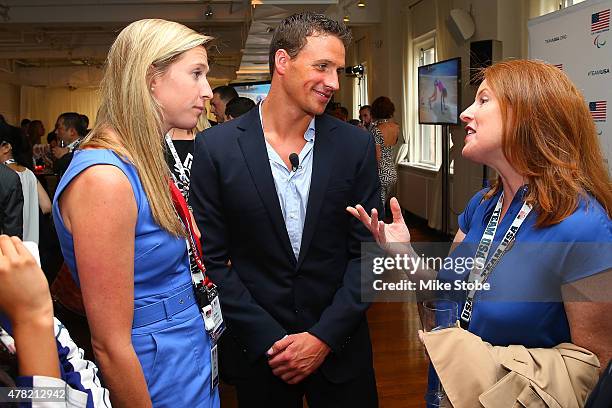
point(263, 389)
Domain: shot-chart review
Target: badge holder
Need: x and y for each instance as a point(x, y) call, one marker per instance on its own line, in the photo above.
point(206, 292)
point(210, 307)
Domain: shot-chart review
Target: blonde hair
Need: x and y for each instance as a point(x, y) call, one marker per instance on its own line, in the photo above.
point(549, 137)
point(143, 50)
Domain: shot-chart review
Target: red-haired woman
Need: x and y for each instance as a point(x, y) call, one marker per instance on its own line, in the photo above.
point(545, 224)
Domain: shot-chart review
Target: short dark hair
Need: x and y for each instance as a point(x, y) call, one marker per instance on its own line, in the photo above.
point(85, 121)
point(12, 135)
point(226, 92)
point(6, 135)
point(340, 112)
point(382, 108)
point(25, 122)
point(72, 120)
point(290, 35)
point(365, 107)
point(32, 127)
point(239, 106)
point(51, 136)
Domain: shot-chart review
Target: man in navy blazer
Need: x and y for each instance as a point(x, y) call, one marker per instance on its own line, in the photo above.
point(277, 239)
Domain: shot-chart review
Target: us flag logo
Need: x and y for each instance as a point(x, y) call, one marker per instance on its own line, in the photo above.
point(598, 110)
point(600, 21)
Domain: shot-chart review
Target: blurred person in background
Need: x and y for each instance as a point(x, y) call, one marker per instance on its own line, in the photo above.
point(36, 130)
point(386, 134)
point(340, 112)
point(11, 202)
point(221, 96)
point(70, 129)
point(238, 107)
point(85, 123)
point(365, 116)
point(34, 195)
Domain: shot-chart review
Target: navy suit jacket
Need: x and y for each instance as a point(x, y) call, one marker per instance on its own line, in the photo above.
point(267, 293)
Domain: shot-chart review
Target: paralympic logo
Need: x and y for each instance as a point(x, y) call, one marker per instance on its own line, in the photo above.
point(598, 43)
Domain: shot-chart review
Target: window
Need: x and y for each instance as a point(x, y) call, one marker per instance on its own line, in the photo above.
point(549, 6)
point(567, 3)
point(360, 91)
point(425, 149)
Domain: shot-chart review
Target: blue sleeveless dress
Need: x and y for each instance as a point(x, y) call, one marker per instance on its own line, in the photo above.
point(174, 352)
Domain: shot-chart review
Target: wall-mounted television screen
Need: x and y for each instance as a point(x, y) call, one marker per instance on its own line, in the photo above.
point(439, 92)
point(256, 91)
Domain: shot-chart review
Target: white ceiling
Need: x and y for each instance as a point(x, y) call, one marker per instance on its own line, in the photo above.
point(41, 38)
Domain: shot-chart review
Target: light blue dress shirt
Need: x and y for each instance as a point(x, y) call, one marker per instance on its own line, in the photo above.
point(293, 187)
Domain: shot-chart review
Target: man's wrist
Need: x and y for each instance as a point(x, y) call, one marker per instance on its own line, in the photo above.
point(322, 342)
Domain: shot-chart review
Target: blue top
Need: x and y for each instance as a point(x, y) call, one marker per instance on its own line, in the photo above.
point(161, 262)
point(293, 187)
point(524, 305)
point(161, 271)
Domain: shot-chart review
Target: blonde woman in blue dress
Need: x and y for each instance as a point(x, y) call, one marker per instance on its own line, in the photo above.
point(118, 228)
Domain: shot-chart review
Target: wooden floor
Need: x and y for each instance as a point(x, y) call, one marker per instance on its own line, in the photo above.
point(399, 358)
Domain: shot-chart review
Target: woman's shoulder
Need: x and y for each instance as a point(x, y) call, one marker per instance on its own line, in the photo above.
point(469, 213)
point(479, 198)
point(390, 127)
point(91, 153)
point(587, 237)
point(98, 169)
point(26, 175)
point(31, 176)
point(589, 222)
point(85, 158)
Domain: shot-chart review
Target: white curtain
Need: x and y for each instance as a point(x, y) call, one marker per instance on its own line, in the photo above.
point(402, 149)
point(46, 104)
point(443, 46)
point(408, 86)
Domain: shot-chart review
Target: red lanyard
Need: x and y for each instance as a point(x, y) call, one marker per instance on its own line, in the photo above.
point(195, 254)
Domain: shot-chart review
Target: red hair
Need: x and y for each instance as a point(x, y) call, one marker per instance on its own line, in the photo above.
point(549, 138)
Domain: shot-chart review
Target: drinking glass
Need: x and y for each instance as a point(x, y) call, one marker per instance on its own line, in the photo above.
point(438, 314)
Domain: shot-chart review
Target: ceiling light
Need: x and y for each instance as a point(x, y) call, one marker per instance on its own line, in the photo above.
point(361, 4)
point(346, 18)
point(209, 12)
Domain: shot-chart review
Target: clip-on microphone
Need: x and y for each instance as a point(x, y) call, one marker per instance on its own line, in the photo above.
point(295, 161)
